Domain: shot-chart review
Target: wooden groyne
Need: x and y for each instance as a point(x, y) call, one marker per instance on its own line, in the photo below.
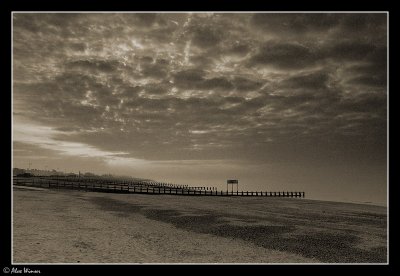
point(138, 186)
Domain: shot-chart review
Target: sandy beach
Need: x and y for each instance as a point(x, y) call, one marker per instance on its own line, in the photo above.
point(64, 226)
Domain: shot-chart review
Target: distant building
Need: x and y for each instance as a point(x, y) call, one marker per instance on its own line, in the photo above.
point(25, 175)
point(88, 174)
point(17, 171)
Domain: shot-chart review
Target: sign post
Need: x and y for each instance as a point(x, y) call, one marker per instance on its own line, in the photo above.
point(232, 182)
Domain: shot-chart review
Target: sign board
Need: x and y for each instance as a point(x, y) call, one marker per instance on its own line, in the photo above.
point(232, 181)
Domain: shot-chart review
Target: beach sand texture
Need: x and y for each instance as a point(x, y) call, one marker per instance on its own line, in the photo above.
point(64, 226)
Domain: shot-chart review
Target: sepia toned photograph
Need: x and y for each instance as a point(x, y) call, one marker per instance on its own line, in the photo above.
point(199, 138)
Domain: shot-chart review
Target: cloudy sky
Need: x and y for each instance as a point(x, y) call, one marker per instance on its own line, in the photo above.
point(279, 101)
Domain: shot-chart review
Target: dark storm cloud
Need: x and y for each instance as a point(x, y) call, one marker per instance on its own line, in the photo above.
point(372, 73)
point(361, 22)
point(157, 88)
point(244, 84)
point(45, 22)
point(316, 80)
point(94, 65)
point(203, 61)
point(379, 80)
point(369, 104)
point(239, 49)
point(158, 69)
point(78, 47)
point(192, 85)
point(294, 23)
point(350, 51)
point(189, 78)
point(285, 56)
point(348, 26)
point(196, 79)
point(206, 36)
point(217, 83)
point(144, 19)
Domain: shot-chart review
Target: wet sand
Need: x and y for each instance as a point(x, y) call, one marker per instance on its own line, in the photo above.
point(64, 226)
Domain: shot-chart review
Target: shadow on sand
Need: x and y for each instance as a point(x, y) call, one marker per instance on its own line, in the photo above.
point(324, 246)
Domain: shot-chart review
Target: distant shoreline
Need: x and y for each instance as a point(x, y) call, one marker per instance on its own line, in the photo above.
point(352, 202)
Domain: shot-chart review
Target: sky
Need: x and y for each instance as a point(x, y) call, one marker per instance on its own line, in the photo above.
point(279, 101)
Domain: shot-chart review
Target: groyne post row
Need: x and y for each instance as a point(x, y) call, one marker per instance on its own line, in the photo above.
point(142, 187)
